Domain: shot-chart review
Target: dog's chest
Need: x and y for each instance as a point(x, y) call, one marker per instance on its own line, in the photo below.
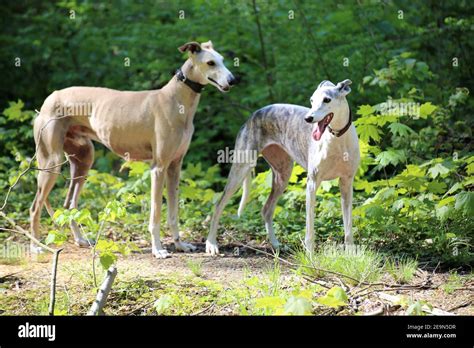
point(332, 158)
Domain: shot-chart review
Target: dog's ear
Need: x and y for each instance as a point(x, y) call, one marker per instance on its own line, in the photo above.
point(326, 83)
point(343, 87)
point(207, 45)
point(192, 47)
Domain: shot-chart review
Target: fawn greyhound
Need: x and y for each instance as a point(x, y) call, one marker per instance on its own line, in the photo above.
point(154, 125)
point(279, 132)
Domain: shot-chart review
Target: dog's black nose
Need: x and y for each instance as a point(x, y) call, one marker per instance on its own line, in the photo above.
point(309, 119)
point(232, 81)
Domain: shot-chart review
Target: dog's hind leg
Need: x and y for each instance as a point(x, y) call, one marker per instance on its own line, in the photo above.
point(81, 158)
point(282, 166)
point(345, 185)
point(237, 174)
point(49, 154)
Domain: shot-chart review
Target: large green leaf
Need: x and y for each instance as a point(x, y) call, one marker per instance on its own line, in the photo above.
point(465, 202)
point(335, 297)
point(298, 306)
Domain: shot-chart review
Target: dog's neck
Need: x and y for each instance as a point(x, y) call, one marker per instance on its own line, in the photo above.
point(186, 98)
point(341, 118)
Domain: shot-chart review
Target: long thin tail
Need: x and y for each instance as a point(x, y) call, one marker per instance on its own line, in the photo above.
point(246, 193)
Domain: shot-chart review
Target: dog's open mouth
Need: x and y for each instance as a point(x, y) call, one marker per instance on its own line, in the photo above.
point(223, 89)
point(321, 126)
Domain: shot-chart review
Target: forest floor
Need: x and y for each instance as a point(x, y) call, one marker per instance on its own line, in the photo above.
point(197, 284)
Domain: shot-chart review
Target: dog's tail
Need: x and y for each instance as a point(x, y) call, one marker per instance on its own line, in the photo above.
point(246, 193)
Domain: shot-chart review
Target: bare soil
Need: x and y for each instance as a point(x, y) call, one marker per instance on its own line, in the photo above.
point(21, 282)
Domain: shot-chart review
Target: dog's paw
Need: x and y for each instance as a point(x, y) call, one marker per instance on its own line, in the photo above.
point(161, 253)
point(275, 244)
point(212, 248)
point(184, 247)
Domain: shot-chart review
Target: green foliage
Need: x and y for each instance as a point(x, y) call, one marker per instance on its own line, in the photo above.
point(359, 263)
point(195, 266)
point(335, 297)
point(413, 192)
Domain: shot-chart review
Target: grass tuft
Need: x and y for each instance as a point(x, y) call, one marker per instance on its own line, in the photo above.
point(358, 262)
point(402, 270)
point(195, 266)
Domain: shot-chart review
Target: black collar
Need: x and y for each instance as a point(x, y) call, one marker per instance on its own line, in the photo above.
point(195, 86)
point(343, 130)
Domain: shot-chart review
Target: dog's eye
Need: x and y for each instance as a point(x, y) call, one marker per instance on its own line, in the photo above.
point(211, 63)
point(326, 100)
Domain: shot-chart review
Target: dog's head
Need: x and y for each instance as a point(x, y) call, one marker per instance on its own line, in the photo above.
point(327, 101)
point(209, 65)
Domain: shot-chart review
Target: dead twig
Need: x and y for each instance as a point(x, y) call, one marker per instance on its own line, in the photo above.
point(424, 308)
point(21, 230)
point(462, 305)
point(52, 296)
point(203, 310)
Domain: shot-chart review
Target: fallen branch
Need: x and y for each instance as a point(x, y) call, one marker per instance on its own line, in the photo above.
point(424, 308)
point(21, 230)
point(52, 296)
point(203, 310)
point(99, 303)
point(304, 266)
point(141, 307)
point(462, 305)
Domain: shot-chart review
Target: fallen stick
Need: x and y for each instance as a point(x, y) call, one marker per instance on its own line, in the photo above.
point(424, 308)
point(21, 230)
point(52, 295)
point(103, 292)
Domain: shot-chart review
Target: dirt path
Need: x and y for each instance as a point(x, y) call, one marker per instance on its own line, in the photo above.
point(196, 278)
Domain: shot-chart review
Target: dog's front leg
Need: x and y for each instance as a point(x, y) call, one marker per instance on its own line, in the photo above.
point(345, 185)
point(157, 182)
point(311, 188)
point(172, 183)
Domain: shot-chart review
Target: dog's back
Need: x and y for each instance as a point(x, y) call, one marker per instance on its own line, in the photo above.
point(277, 124)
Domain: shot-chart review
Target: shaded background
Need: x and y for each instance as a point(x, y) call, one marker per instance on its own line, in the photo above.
point(408, 51)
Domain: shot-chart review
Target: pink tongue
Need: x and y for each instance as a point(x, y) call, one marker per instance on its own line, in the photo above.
point(318, 132)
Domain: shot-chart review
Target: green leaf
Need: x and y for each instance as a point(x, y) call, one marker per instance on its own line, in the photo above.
point(391, 156)
point(163, 303)
point(365, 110)
point(457, 186)
point(298, 306)
point(465, 202)
point(438, 169)
point(269, 302)
point(56, 237)
point(13, 112)
point(427, 109)
point(297, 170)
point(107, 259)
point(437, 187)
point(444, 212)
point(369, 131)
point(335, 297)
point(137, 168)
point(400, 129)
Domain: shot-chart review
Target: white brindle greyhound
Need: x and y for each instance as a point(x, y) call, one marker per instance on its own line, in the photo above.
point(154, 126)
point(327, 150)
